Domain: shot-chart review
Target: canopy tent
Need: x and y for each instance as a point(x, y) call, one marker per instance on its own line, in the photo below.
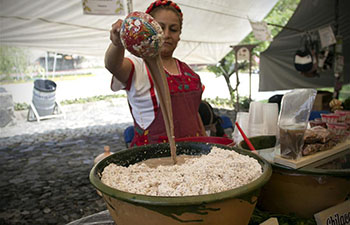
point(209, 27)
point(277, 71)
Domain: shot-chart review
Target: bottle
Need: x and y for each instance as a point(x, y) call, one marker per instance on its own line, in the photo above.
point(103, 155)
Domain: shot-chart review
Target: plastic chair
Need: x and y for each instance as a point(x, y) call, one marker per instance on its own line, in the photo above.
point(317, 114)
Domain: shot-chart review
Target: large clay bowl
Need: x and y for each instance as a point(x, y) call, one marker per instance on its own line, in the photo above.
point(233, 207)
point(303, 193)
point(308, 190)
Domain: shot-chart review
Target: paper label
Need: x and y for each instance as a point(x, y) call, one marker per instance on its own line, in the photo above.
point(327, 37)
point(261, 31)
point(105, 7)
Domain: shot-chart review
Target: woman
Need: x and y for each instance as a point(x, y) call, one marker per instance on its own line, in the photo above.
point(130, 73)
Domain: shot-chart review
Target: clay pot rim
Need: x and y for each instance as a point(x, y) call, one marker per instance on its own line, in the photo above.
point(239, 192)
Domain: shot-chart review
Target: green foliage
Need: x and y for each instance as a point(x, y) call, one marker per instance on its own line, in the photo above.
point(221, 102)
point(226, 103)
point(279, 15)
point(244, 104)
point(15, 65)
point(21, 106)
point(13, 60)
point(92, 99)
point(344, 92)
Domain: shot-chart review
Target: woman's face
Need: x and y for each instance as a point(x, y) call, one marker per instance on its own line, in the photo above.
point(169, 21)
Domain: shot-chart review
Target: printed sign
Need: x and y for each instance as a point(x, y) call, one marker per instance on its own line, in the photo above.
point(339, 215)
point(327, 37)
point(261, 31)
point(106, 7)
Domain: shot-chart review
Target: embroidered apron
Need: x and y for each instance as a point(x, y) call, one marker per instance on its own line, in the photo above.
point(185, 93)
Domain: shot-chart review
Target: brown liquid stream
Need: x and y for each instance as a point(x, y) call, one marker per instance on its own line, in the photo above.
point(155, 66)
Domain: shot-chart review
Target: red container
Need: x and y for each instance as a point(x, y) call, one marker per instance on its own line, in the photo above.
point(344, 113)
point(330, 118)
point(341, 114)
point(314, 123)
point(337, 128)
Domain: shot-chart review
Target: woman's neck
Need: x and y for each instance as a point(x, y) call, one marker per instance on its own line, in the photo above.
point(170, 65)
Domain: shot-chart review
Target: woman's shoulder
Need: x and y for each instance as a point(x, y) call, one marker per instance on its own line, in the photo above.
point(185, 68)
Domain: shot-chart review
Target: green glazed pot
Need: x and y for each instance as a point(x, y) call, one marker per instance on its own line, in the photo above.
point(233, 207)
point(264, 145)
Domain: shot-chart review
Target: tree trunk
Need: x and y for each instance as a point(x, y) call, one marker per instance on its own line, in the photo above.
point(231, 90)
point(237, 95)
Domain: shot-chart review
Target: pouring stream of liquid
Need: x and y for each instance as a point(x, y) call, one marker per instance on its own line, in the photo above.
point(155, 65)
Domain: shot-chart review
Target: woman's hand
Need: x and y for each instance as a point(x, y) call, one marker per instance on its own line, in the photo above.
point(115, 62)
point(115, 33)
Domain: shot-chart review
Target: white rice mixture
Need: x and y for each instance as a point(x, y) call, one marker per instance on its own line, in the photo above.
point(218, 171)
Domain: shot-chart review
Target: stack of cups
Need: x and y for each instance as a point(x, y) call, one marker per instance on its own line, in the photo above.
point(256, 119)
point(263, 119)
point(242, 119)
point(270, 118)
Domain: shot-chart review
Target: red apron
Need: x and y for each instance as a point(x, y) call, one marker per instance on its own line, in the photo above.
point(185, 92)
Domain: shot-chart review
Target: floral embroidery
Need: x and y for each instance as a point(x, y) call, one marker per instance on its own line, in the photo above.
point(189, 74)
point(162, 139)
point(141, 136)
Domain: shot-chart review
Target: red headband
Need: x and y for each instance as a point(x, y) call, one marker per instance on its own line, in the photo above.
point(165, 3)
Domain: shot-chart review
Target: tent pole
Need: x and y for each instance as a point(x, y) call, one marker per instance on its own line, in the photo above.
point(285, 27)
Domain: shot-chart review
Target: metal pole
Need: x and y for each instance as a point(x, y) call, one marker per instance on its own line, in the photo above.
point(54, 65)
point(250, 75)
point(46, 65)
point(237, 80)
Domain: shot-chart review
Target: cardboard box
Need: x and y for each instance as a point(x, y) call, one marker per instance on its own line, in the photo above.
point(322, 101)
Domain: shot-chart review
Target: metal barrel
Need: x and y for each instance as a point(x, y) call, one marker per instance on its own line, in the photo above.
point(44, 96)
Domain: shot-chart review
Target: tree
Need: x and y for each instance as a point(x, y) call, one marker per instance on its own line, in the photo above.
point(13, 61)
point(277, 18)
point(226, 67)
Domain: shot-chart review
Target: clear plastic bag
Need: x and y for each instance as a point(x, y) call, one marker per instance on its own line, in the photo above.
point(293, 119)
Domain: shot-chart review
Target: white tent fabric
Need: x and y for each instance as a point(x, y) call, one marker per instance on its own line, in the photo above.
point(209, 27)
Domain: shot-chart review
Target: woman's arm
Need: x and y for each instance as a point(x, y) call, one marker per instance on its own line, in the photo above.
point(115, 61)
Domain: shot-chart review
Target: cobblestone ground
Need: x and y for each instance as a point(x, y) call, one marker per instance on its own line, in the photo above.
point(48, 182)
